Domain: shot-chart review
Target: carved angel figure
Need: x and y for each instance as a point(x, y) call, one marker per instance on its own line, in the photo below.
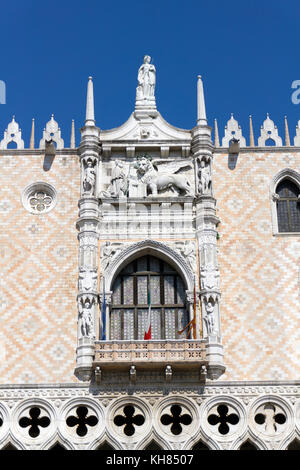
point(156, 181)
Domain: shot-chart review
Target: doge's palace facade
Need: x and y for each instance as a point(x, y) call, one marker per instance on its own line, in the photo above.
point(149, 289)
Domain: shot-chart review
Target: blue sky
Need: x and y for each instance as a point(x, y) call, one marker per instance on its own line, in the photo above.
point(248, 54)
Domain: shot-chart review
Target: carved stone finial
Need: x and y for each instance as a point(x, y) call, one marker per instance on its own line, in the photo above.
point(286, 133)
point(251, 140)
point(269, 131)
point(297, 136)
point(52, 132)
point(12, 134)
point(233, 132)
point(201, 111)
point(31, 145)
point(90, 112)
point(72, 141)
point(217, 140)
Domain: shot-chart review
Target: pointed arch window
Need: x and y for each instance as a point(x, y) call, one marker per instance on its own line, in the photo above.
point(288, 206)
point(130, 301)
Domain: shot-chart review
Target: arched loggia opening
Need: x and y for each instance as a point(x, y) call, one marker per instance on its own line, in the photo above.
point(148, 282)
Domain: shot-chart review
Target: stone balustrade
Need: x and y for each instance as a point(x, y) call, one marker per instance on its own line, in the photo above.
point(149, 353)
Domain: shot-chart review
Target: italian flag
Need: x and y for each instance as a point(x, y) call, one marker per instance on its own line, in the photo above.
point(147, 334)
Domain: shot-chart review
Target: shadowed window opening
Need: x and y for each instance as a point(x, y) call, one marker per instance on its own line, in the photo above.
point(105, 446)
point(248, 446)
point(294, 445)
point(148, 280)
point(288, 206)
point(57, 447)
point(9, 446)
point(153, 446)
point(200, 446)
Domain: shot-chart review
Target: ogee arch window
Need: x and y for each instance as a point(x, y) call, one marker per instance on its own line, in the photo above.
point(130, 301)
point(288, 206)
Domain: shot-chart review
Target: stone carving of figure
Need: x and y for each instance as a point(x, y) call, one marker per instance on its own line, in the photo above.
point(146, 80)
point(209, 318)
point(156, 181)
point(108, 251)
point(204, 175)
point(118, 182)
point(89, 178)
point(85, 315)
point(188, 253)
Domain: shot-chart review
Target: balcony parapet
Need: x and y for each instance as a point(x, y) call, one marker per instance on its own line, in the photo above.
point(157, 354)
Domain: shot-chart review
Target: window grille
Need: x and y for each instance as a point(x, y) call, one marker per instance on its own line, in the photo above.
point(130, 301)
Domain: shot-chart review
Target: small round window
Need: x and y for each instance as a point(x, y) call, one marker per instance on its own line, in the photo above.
point(39, 198)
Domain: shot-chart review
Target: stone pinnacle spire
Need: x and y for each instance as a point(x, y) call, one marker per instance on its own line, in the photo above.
point(31, 145)
point(90, 114)
point(217, 141)
point(72, 141)
point(251, 138)
point(201, 113)
point(287, 135)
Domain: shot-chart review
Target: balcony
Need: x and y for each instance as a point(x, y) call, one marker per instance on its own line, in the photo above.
point(158, 354)
point(149, 353)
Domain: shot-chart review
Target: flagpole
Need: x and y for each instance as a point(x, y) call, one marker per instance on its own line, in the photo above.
point(147, 333)
point(103, 311)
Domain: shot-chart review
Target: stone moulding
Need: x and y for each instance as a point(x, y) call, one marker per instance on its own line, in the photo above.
point(158, 248)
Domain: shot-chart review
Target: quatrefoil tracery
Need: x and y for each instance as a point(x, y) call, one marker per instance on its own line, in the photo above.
point(176, 419)
point(269, 418)
point(129, 420)
point(223, 419)
point(81, 420)
point(34, 422)
point(39, 201)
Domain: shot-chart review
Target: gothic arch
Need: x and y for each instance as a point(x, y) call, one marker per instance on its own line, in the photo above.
point(153, 438)
point(154, 248)
point(289, 174)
